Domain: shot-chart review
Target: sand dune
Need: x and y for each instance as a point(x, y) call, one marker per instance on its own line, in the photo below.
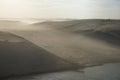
point(85, 42)
point(19, 56)
point(105, 30)
point(96, 24)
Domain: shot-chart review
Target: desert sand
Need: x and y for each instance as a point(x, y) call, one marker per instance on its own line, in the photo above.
point(20, 57)
point(84, 42)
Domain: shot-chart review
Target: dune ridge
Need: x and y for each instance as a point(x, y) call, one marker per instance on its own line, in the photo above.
point(20, 57)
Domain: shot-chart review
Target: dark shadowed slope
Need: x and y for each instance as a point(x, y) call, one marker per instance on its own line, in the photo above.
point(103, 30)
point(111, 37)
point(19, 56)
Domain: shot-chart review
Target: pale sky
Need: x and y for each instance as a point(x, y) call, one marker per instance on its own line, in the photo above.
point(81, 9)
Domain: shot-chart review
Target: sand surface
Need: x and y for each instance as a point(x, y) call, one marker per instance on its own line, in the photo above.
point(83, 42)
point(20, 57)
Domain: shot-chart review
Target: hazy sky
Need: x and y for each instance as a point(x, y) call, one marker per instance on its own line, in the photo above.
point(60, 9)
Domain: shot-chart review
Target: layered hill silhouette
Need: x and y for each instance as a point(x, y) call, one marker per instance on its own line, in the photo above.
point(20, 57)
point(73, 25)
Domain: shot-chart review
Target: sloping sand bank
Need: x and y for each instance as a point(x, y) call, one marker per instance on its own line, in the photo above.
point(19, 57)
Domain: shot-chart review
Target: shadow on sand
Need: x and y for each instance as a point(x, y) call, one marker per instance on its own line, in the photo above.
point(21, 57)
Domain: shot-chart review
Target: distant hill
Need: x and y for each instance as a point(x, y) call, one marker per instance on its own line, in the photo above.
point(95, 24)
point(107, 30)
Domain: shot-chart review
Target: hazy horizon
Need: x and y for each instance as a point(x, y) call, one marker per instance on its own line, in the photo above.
point(60, 9)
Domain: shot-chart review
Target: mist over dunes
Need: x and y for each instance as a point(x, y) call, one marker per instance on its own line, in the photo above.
point(86, 42)
point(101, 29)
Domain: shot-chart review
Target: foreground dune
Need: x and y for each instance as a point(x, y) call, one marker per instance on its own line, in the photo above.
point(19, 57)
